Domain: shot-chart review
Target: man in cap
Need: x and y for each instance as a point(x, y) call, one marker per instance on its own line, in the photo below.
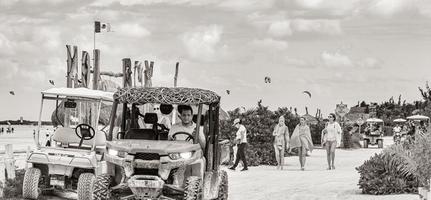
point(241, 139)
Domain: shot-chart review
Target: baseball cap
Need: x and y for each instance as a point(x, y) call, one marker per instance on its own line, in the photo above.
point(236, 121)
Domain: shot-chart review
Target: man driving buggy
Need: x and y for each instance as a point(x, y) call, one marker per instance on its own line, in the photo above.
point(179, 131)
point(185, 126)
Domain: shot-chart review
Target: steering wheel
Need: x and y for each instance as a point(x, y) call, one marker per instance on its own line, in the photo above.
point(84, 132)
point(189, 136)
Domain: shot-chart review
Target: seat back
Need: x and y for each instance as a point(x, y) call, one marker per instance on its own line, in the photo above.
point(145, 134)
point(142, 134)
point(66, 135)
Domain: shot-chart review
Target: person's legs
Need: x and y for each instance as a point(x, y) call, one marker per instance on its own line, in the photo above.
point(300, 157)
point(327, 146)
point(237, 158)
point(333, 146)
point(304, 156)
point(277, 155)
point(243, 157)
point(282, 158)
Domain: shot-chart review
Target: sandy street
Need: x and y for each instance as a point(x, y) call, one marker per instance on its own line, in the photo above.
point(315, 183)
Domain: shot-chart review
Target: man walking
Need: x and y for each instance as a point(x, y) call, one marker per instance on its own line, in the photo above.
point(241, 139)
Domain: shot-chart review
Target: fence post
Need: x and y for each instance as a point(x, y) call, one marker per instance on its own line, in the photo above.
point(9, 162)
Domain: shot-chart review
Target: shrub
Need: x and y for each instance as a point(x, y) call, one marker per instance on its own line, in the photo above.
point(13, 187)
point(381, 174)
point(421, 154)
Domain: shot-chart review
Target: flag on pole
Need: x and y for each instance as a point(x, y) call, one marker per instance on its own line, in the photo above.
point(99, 27)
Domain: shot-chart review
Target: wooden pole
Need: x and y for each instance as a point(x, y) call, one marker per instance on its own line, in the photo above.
point(69, 66)
point(127, 82)
point(85, 69)
point(75, 67)
point(96, 69)
point(134, 75)
point(9, 162)
point(176, 73)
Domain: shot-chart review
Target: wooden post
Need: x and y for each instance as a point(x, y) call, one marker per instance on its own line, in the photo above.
point(138, 69)
point(96, 69)
point(176, 73)
point(127, 82)
point(85, 69)
point(127, 72)
point(69, 67)
point(148, 73)
point(9, 162)
point(27, 154)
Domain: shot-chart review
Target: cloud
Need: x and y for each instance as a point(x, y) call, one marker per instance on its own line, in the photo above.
point(132, 30)
point(370, 63)
point(9, 68)
point(391, 7)
point(246, 5)
point(280, 28)
point(271, 43)
point(203, 42)
point(336, 60)
point(5, 46)
point(325, 26)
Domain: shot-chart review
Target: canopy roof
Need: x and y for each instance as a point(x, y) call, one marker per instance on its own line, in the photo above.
point(164, 95)
point(418, 117)
point(80, 92)
point(374, 120)
point(400, 120)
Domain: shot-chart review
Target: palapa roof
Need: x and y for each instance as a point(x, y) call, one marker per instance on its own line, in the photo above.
point(165, 95)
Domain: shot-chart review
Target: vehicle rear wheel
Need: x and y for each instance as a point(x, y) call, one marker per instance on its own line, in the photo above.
point(380, 143)
point(193, 188)
point(30, 186)
point(101, 189)
point(224, 186)
point(365, 143)
point(85, 186)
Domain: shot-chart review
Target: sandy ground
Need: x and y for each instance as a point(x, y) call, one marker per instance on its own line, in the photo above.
point(315, 183)
point(265, 182)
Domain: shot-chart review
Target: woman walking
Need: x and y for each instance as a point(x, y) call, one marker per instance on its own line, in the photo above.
point(331, 138)
point(281, 141)
point(301, 139)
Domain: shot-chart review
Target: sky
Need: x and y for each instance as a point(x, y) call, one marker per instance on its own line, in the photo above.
point(339, 50)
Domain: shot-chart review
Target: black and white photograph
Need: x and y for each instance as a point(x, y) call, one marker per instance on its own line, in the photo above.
point(215, 99)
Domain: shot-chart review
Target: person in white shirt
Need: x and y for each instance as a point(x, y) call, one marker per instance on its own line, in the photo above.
point(241, 139)
point(331, 138)
point(186, 126)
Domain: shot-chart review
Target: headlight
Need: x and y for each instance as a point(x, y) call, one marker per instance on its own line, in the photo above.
point(176, 156)
point(112, 152)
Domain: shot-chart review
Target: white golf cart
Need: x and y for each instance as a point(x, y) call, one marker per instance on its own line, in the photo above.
point(74, 156)
point(374, 132)
point(421, 122)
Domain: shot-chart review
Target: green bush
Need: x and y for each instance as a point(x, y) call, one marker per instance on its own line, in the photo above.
point(421, 154)
point(13, 187)
point(382, 174)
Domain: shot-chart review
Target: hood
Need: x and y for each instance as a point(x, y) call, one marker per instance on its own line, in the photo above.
point(162, 147)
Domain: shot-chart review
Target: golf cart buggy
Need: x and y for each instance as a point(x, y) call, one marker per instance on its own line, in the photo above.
point(420, 122)
point(73, 158)
point(143, 163)
point(374, 133)
point(398, 133)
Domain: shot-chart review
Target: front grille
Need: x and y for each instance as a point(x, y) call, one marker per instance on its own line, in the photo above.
point(143, 171)
point(147, 156)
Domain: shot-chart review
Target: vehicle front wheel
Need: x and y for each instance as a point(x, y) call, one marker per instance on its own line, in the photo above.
point(223, 189)
point(85, 186)
point(193, 188)
point(30, 186)
point(101, 189)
